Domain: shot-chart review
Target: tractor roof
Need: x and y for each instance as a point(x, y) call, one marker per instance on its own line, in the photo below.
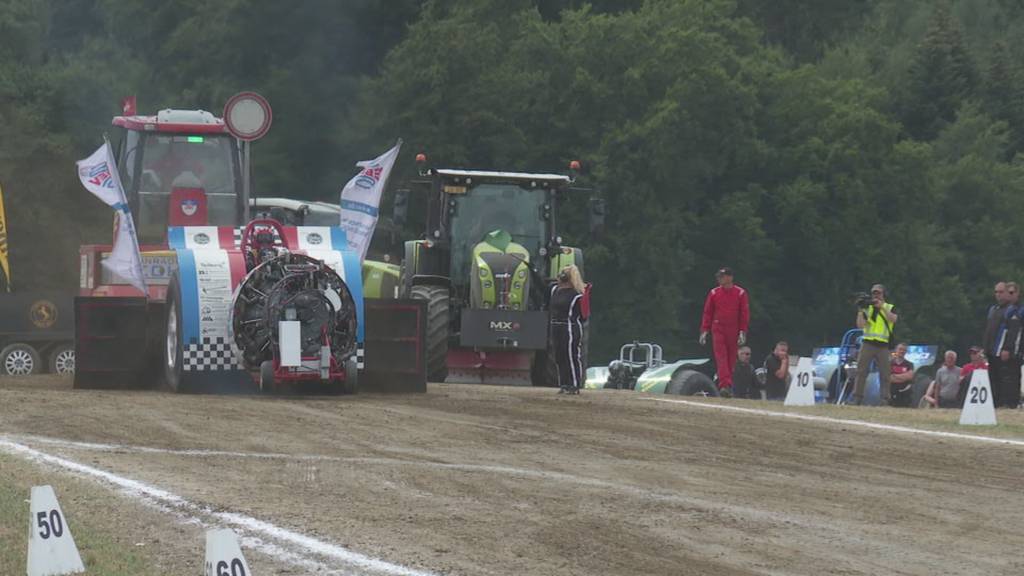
point(487, 175)
point(183, 121)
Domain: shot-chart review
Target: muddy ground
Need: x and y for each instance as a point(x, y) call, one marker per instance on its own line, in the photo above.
point(493, 480)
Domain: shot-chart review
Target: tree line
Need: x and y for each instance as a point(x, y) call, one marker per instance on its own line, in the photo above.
point(816, 147)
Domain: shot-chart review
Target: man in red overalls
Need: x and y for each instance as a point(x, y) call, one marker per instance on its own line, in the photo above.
point(727, 317)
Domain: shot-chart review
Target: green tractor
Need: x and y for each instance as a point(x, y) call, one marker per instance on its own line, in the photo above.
point(485, 267)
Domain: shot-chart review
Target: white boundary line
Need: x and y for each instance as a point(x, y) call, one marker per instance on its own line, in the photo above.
point(873, 425)
point(192, 513)
point(538, 474)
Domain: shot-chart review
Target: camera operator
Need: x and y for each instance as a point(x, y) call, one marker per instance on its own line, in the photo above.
point(876, 319)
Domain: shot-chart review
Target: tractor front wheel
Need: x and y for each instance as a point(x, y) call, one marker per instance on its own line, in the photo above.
point(351, 383)
point(173, 349)
point(437, 329)
point(267, 376)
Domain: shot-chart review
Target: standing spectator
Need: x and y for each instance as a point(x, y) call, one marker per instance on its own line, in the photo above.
point(568, 311)
point(726, 316)
point(901, 379)
point(1004, 370)
point(776, 367)
point(1014, 328)
point(744, 381)
point(877, 321)
point(945, 389)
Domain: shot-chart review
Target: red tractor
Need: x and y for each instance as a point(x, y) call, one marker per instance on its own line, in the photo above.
point(203, 321)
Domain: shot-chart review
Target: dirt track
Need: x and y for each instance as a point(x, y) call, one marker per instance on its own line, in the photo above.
point(483, 480)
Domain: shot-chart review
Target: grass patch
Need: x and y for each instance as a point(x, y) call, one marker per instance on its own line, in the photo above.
point(101, 553)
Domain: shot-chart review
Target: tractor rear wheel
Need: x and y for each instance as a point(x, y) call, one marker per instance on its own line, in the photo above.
point(437, 329)
point(544, 371)
point(691, 383)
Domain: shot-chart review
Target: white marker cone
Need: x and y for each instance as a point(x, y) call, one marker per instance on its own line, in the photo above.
point(223, 555)
point(51, 549)
point(978, 409)
point(801, 389)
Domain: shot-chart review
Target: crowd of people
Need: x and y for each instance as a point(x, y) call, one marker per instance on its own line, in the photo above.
point(727, 315)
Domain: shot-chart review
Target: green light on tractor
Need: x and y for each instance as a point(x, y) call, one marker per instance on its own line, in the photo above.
point(195, 139)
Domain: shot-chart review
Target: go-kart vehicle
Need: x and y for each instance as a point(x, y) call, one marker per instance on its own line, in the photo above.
point(641, 367)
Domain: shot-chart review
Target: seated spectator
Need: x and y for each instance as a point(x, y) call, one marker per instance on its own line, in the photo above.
point(776, 366)
point(901, 381)
point(945, 388)
point(978, 361)
point(744, 381)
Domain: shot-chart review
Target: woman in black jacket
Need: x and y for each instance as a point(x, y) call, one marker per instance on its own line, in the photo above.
point(567, 317)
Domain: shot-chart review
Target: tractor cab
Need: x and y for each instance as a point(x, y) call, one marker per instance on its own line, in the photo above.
point(495, 235)
point(179, 168)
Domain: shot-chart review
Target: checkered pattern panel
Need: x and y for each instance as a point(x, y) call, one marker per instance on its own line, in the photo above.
point(237, 234)
point(360, 357)
point(209, 354)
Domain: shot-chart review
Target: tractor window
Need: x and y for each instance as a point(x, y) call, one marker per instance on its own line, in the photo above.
point(490, 207)
point(186, 161)
point(130, 142)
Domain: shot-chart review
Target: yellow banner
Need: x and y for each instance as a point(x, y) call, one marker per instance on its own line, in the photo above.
point(5, 266)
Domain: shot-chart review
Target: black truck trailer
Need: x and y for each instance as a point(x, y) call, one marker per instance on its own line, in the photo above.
point(37, 333)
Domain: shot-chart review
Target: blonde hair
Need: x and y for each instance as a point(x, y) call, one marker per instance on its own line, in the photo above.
point(575, 278)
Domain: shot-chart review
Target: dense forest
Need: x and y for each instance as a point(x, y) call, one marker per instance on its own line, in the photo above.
point(816, 146)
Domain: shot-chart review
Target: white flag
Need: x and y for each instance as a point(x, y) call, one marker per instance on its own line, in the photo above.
point(360, 199)
point(98, 174)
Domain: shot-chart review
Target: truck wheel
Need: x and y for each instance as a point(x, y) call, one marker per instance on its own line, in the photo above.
point(62, 359)
point(173, 349)
point(437, 329)
point(691, 383)
point(19, 360)
point(267, 376)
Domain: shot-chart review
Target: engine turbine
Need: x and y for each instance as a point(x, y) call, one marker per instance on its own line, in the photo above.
point(293, 287)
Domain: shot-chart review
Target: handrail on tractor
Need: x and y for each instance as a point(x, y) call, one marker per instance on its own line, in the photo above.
point(652, 354)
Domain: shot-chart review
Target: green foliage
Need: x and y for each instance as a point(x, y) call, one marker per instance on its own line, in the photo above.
point(816, 147)
point(941, 79)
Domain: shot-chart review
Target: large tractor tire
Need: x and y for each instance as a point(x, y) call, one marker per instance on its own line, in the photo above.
point(20, 359)
point(175, 377)
point(437, 329)
point(544, 371)
point(691, 383)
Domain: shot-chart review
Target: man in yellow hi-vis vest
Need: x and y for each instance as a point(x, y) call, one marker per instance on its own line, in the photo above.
point(877, 321)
